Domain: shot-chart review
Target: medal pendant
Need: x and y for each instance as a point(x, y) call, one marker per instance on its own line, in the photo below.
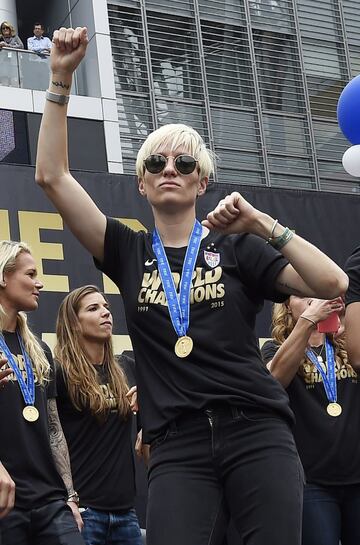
point(30, 413)
point(320, 360)
point(183, 346)
point(334, 409)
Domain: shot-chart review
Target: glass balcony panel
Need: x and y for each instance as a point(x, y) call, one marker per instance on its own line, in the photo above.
point(28, 70)
point(34, 70)
point(9, 67)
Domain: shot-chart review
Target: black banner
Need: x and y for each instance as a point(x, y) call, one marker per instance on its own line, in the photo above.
point(329, 220)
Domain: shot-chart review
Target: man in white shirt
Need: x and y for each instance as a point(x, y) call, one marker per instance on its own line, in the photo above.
point(39, 43)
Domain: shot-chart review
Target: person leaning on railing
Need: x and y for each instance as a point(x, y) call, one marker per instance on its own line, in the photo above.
point(9, 74)
point(39, 43)
point(8, 37)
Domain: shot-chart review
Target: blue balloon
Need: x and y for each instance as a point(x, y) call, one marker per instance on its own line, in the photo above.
point(348, 111)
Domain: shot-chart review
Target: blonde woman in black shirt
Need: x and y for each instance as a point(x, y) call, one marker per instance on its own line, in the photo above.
point(324, 393)
point(33, 451)
point(216, 421)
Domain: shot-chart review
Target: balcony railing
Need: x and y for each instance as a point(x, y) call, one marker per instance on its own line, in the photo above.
point(26, 69)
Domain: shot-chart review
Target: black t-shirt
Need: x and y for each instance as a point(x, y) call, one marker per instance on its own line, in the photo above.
point(329, 447)
point(101, 454)
point(232, 277)
point(24, 446)
point(352, 269)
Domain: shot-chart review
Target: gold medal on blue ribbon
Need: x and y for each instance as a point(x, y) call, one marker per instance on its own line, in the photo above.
point(179, 303)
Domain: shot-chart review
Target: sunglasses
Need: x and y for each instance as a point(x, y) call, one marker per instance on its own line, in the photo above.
point(185, 164)
point(5, 28)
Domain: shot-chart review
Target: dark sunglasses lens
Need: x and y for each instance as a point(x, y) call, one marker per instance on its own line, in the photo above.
point(185, 164)
point(155, 163)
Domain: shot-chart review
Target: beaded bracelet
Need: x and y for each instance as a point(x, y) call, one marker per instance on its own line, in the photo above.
point(279, 242)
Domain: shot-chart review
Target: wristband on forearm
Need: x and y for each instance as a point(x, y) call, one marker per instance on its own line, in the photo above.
point(74, 496)
point(57, 97)
point(280, 241)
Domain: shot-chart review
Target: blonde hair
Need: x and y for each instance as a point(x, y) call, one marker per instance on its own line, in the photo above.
point(81, 376)
point(12, 29)
point(9, 251)
point(282, 325)
point(176, 135)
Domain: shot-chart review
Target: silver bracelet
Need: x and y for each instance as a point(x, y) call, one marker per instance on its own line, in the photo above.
point(56, 97)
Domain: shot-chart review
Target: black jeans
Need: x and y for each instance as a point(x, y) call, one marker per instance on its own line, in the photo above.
point(225, 462)
point(51, 524)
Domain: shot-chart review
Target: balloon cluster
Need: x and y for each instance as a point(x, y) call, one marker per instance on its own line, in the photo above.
point(348, 113)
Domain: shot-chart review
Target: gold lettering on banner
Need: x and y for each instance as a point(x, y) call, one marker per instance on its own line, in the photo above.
point(109, 286)
point(4, 225)
point(30, 224)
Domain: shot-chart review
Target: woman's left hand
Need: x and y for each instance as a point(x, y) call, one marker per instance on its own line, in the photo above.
point(142, 450)
point(320, 309)
point(233, 214)
point(75, 510)
point(132, 398)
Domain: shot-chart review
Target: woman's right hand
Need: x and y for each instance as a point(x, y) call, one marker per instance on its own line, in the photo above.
point(4, 374)
point(7, 492)
point(320, 309)
point(69, 48)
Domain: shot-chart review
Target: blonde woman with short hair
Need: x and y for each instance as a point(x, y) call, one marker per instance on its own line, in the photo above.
point(37, 466)
point(216, 421)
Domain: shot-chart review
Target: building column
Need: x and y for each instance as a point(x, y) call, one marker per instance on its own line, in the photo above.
point(8, 12)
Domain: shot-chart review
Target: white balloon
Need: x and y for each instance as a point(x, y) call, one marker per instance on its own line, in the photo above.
point(351, 160)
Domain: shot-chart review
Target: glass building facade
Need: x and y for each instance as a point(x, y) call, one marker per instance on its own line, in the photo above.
point(259, 79)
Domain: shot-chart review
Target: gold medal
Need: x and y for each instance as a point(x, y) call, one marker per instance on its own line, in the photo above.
point(30, 413)
point(334, 409)
point(183, 346)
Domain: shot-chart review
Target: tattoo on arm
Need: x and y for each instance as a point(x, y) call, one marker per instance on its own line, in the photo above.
point(286, 288)
point(59, 446)
point(61, 84)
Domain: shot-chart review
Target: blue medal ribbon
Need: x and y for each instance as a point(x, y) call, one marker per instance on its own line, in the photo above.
point(178, 303)
point(329, 378)
point(27, 388)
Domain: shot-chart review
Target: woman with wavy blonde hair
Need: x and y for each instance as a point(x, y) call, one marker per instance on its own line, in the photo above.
point(96, 417)
point(34, 463)
point(9, 71)
point(324, 393)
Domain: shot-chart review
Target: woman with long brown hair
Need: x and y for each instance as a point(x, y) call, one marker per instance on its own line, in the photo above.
point(324, 393)
point(96, 418)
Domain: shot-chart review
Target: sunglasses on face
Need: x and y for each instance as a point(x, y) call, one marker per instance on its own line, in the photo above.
point(185, 164)
point(5, 28)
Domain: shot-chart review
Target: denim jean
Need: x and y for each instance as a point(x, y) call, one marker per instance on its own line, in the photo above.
point(107, 528)
point(331, 514)
point(210, 465)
